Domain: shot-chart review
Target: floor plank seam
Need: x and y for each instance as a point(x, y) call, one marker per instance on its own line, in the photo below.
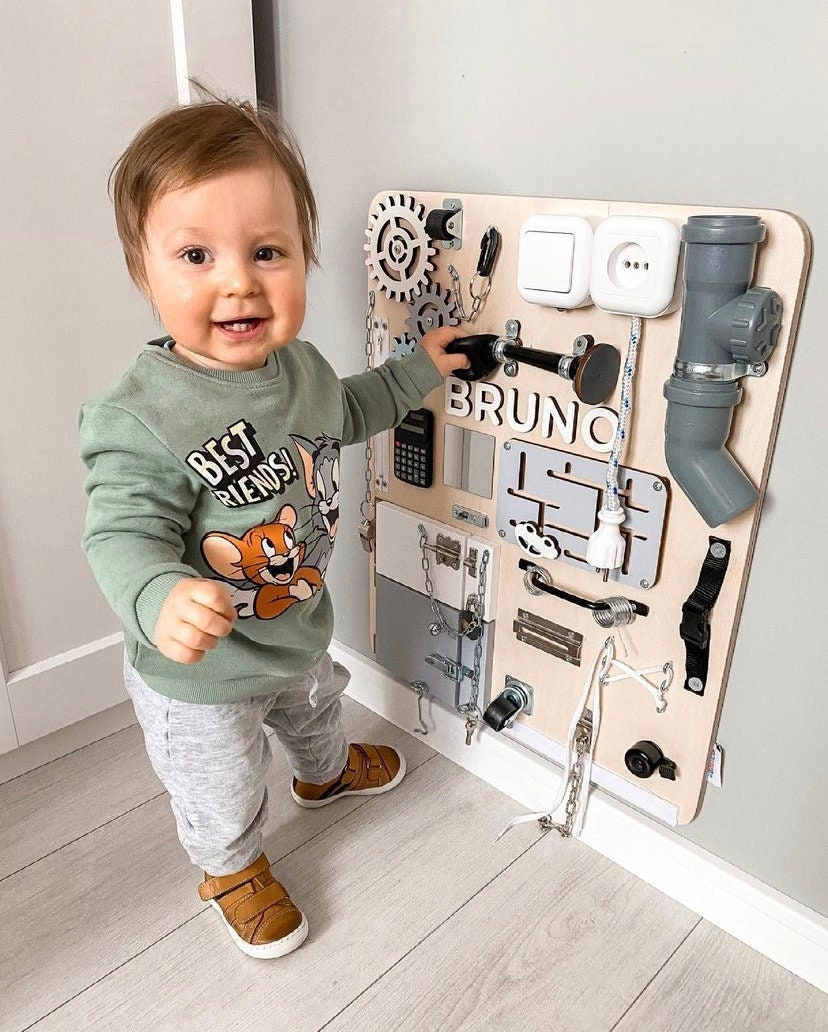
point(63, 756)
point(91, 831)
point(129, 960)
point(118, 816)
point(655, 975)
point(425, 938)
point(365, 802)
point(204, 910)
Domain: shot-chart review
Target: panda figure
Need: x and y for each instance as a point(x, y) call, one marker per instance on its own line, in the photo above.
point(534, 543)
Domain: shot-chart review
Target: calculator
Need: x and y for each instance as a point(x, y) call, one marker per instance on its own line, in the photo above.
point(414, 448)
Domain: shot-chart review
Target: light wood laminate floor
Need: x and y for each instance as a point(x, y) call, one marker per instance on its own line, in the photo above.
point(418, 920)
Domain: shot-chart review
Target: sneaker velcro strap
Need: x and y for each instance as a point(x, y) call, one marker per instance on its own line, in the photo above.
point(256, 904)
point(212, 887)
point(374, 763)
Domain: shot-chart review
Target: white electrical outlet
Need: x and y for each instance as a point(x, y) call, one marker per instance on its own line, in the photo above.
point(634, 265)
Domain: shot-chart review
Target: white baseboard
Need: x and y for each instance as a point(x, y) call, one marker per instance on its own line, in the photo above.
point(760, 916)
point(64, 689)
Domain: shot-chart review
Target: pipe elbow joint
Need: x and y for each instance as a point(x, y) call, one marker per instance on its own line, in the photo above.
point(697, 426)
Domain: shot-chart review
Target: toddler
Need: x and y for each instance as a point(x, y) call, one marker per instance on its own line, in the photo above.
point(214, 493)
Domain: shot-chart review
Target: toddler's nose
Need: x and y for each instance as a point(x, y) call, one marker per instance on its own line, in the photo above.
point(239, 280)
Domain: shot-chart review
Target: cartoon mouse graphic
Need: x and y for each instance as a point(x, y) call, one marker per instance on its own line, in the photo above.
point(320, 460)
point(269, 556)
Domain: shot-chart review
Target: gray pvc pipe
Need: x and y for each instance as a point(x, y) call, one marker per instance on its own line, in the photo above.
point(720, 251)
point(698, 424)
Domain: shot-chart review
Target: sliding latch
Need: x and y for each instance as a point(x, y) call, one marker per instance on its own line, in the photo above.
point(448, 667)
point(446, 551)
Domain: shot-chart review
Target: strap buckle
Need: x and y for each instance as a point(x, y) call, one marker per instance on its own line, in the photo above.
point(695, 627)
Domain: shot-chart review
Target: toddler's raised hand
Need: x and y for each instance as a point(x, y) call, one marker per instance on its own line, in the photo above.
point(435, 343)
point(196, 613)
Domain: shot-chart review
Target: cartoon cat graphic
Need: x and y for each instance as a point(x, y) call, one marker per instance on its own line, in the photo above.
point(320, 459)
point(269, 556)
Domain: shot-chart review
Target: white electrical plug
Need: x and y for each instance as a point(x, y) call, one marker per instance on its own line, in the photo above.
point(605, 548)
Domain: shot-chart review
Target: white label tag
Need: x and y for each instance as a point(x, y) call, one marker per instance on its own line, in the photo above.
point(714, 766)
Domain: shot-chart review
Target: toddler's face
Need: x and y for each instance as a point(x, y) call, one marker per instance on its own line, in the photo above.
point(225, 267)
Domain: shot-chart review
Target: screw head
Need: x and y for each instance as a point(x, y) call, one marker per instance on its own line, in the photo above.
point(718, 550)
point(758, 369)
point(695, 684)
point(507, 446)
point(644, 583)
point(511, 326)
point(502, 533)
point(657, 485)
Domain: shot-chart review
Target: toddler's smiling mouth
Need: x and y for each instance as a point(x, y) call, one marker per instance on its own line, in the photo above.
point(241, 329)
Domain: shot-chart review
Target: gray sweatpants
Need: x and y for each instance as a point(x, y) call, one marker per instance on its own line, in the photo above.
point(213, 759)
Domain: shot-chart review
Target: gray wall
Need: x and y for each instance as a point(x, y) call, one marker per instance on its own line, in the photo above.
point(707, 103)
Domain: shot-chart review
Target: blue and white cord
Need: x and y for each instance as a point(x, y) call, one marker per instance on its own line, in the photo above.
point(611, 501)
point(606, 547)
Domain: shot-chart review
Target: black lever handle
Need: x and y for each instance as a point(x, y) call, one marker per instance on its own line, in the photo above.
point(479, 350)
point(593, 373)
point(639, 608)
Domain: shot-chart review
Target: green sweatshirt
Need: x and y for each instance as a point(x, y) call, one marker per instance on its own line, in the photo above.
point(233, 476)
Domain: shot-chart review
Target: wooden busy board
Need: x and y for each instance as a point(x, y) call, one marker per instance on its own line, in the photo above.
point(686, 729)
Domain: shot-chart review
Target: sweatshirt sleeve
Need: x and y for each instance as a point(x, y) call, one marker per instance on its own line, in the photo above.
point(139, 504)
point(379, 399)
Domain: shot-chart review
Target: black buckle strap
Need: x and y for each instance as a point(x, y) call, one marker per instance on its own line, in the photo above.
point(695, 614)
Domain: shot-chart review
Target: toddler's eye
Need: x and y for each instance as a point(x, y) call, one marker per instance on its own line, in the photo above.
point(268, 254)
point(195, 255)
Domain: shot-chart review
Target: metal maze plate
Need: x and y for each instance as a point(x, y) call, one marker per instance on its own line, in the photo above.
point(561, 494)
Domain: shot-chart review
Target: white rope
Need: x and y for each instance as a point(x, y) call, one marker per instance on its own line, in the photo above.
point(606, 650)
point(611, 501)
point(603, 662)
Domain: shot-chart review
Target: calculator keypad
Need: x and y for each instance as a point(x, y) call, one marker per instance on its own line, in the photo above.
point(411, 464)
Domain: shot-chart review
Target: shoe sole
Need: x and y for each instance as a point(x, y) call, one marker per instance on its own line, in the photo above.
point(313, 804)
point(264, 950)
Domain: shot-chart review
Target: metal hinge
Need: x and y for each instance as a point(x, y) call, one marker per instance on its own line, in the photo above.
point(448, 667)
point(549, 637)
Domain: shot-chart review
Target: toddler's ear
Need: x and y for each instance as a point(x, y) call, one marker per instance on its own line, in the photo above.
point(223, 554)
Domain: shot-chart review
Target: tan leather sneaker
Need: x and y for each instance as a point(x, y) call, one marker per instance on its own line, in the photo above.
point(257, 910)
point(370, 770)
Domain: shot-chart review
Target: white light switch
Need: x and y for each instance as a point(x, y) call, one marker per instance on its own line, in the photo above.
point(546, 261)
point(554, 260)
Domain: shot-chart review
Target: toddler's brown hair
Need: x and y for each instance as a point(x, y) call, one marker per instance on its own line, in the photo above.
point(189, 145)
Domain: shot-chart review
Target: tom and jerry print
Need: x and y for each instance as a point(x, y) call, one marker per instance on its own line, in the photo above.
point(269, 568)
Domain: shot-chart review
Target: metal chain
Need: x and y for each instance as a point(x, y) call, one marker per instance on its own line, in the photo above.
point(365, 505)
point(478, 299)
point(441, 626)
point(575, 778)
point(476, 605)
point(457, 291)
point(471, 708)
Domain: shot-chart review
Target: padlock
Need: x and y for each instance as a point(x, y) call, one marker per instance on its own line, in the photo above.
point(367, 532)
point(466, 620)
